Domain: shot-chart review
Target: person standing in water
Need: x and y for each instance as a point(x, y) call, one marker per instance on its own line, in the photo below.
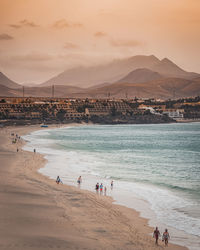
point(79, 180)
point(105, 189)
point(97, 187)
point(58, 180)
point(111, 184)
point(101, 188)
point(165, 237)
point(156, 235)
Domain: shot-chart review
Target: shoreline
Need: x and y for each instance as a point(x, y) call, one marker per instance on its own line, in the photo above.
point(101, 224)
point(9, 123)
point(188, 120)
point(120, 193)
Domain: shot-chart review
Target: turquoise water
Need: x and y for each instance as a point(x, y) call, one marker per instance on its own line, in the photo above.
point(157, 163)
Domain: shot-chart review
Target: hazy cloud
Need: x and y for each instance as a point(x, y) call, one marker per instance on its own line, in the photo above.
point(76, 25)
point(69, 45)
point(103, 12)
point(63, 23)
point(100, 34)
point(28, 23)
point(6, 37)
point(34, 56)
point(125, 43)
point(24, 23)
point(15, 26)
point(60, 24)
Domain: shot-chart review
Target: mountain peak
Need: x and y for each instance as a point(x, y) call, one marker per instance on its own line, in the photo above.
point(166, 60)
point(141, 75)
point(144, 57)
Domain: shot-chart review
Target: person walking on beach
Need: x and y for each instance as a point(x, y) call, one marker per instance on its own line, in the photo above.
point(165, 237)
point(111, 184)
point(101, 188)
point(156, 235)
point(79, 180)
point(97, 187)
point(34, 150)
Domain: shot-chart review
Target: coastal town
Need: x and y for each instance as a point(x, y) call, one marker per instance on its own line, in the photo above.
point(35, 110)
point(99, 125)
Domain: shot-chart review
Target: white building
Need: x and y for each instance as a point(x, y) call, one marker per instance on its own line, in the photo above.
point(174, 113)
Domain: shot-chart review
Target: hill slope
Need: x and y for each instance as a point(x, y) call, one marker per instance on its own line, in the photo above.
point(162, 88)
point(170, 69)
point(141, 76)
point(4, 80)
point(59, 91)
point(5, 91)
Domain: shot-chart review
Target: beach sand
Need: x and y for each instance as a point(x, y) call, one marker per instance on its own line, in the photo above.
point(36, 213)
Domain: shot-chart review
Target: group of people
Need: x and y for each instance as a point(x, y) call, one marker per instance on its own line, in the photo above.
point(15, 138)
point(165, 236)
point(99, 187)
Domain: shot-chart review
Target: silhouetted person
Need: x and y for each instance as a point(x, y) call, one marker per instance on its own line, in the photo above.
point(166, 237)
point(156, 235)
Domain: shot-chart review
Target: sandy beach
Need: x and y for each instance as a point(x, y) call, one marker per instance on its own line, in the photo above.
point(36, 213)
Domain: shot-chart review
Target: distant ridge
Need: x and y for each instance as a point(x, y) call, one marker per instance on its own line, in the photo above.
point(116, 70)
point(141, 76)
point(5, 81)
point(5, 91)
point(170, 69)
point(162, 88)
point(59, 91)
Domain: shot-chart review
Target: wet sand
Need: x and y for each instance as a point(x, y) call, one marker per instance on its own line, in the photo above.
point(36, 213)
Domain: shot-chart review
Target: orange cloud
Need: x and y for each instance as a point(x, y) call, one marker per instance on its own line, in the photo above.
point(69, 45)
point(100, 34)
point(24, 23)
point(63, 23)
point(123, 43)
point(34, 56)
point(6, 37)
point(28, 23)
point(15, 26)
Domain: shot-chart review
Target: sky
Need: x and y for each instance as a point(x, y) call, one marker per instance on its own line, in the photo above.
point(41, 38)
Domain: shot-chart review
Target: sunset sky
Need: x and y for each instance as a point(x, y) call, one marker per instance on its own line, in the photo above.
point(41, 38)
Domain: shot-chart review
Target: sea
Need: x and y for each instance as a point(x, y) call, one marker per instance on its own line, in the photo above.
point(155, 169)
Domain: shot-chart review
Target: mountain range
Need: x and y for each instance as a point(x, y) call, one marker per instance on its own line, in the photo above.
point(117, 69)
point(141, 76)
